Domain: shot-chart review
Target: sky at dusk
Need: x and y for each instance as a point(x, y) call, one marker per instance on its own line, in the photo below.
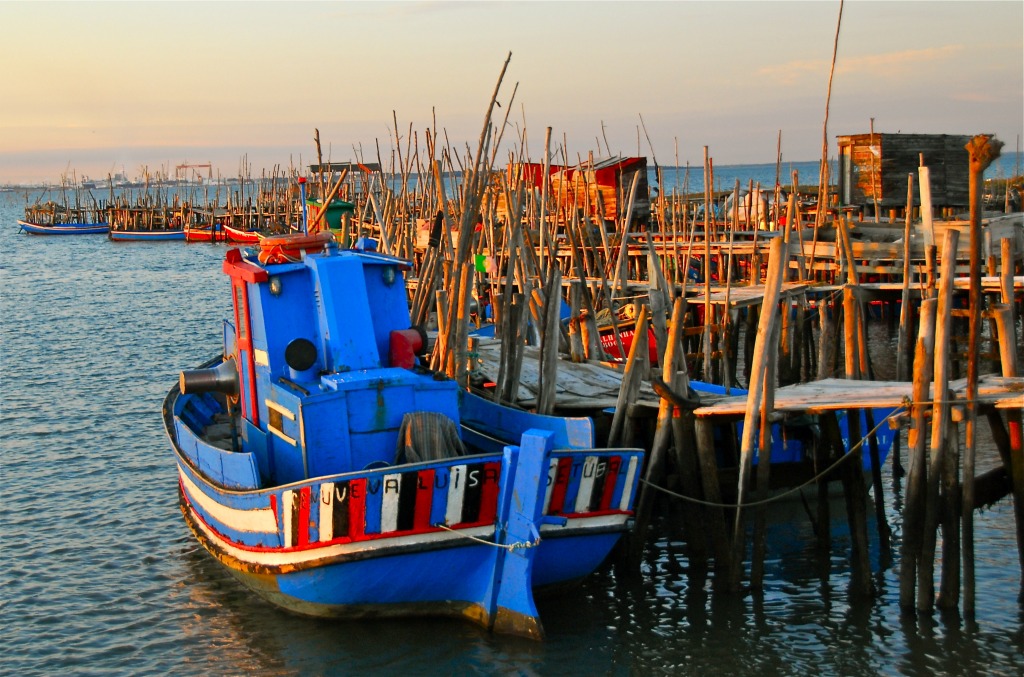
point(97, 87)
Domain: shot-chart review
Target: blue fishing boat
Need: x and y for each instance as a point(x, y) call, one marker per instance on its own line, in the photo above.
point(331, 473)
point(63, 228)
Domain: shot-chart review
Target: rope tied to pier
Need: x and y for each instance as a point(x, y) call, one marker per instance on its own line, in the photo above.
point(842, 459)
point(510, 547)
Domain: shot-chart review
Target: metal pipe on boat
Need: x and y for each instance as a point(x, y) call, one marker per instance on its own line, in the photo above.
point(220, 379)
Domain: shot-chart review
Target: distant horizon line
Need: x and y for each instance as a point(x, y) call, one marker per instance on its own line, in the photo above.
point(48, 182)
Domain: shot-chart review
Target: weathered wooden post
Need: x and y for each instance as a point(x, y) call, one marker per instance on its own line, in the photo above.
point(621, 427)
point(549, 344)
point(1003, 313)
point(577, 350)
point(982, 150)
point(764, 465)
point(940, 423)
point(763, 352)
point(903, 341)
point(663, 431)
point(913, 510)
point(705, 432)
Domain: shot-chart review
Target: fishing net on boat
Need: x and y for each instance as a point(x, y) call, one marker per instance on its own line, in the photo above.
point(427, 436)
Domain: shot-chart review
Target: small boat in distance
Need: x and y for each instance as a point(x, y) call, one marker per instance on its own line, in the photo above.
point(63, 228)
point(143, 223)
point(146, 235)
point(53, 218)
point(334, 475)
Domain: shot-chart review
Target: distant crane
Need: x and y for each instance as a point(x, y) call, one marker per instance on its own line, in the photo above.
point(180, 170)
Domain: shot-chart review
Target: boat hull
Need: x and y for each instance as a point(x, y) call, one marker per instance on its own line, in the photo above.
point(64, 228)
point(236, 236)
point(146, 235)
point(441, 538)
point(204, 235)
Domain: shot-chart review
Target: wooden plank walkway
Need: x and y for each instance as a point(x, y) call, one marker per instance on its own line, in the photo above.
point(580, 385)
point(834, 394)
point(742, 296)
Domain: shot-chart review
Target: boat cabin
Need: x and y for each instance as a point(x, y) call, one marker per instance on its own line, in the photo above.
point(319, 391)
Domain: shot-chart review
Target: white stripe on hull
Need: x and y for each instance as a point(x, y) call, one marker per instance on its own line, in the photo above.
point(456, 489)
point(389, 503)
point(627, 490)
point(278, 558)
point(260, 520)
point(586, 484)
point(552, 478)
point(326, 521)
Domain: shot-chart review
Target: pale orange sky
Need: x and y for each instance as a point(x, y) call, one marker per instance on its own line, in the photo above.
point(96, 87)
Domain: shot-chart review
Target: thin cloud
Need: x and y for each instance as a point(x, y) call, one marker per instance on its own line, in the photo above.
point(886, 64)
point(882, 63)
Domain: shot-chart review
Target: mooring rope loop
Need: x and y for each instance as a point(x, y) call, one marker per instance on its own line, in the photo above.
point(510, 547)
point(842, 459)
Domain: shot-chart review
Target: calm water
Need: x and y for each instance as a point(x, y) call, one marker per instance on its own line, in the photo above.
point(100, 575)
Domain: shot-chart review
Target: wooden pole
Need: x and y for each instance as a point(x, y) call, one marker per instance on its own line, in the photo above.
point(940, 422)
point(982, 150)
point(549, 344)
point(713, 494)
point(927, 226)
point(663, 430)
point(876, 158)
point(751, 418)
point(914, 508)
point(1015, 463)
point(544, 201)
point(707, 266)
point(764, 465)
point(577, 350)
point(902, 342)
point(630, 383)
